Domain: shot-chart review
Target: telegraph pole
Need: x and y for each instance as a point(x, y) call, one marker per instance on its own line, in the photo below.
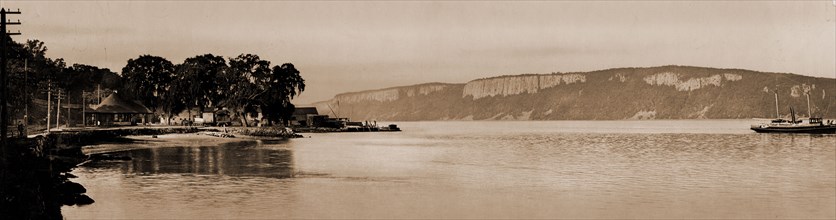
point(4, 96)
point(26, 96)
point(83, 110)
point(99, 93)
point(69, 107)
point(48, 103)
point(58, 113)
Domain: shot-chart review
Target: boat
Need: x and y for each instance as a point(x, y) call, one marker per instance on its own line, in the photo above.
point(813, 125)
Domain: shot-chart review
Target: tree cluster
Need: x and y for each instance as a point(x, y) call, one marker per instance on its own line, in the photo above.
point(32, 75)
point(244, 85)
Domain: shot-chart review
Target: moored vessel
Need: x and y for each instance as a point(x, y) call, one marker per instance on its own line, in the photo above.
point(812, 126)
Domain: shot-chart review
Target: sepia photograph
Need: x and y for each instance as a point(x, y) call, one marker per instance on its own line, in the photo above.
point(274, 109)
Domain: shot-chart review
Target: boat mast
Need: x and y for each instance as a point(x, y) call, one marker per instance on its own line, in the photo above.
point(809, 115)
point(777, 115)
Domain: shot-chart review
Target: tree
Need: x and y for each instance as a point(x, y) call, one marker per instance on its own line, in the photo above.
point(89, 78)
point(283, 84)
point(201, 73)
point(175, 99)
point(33, 82)
point(241, 90)
point(36, 48)
point(148, 79)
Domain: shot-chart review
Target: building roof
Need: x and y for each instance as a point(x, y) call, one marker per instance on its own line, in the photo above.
point(305, 111)
point(118, 105)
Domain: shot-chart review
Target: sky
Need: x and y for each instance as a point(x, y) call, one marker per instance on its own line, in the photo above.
point(345, 46)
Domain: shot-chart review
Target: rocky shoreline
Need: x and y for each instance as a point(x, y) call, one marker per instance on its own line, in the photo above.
point(36, 179)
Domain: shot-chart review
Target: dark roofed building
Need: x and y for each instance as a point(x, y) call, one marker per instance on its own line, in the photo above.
point(305, 111)
point(302, 116)
point(117, 110)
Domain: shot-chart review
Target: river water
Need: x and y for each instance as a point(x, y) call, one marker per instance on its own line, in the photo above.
point(479, 169)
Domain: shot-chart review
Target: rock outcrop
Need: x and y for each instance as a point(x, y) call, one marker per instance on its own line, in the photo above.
point(667, 92)
point(515, 85)
point(673, 79)
point(390, 94)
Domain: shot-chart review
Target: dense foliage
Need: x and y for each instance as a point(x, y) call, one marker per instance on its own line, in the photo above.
point(245, 85)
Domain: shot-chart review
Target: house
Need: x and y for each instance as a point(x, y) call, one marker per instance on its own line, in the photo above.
point(217, 118)
point(303, 116)
point(116, 110)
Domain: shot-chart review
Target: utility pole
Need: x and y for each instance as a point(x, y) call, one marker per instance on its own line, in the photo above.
point(83, 110)
point(69, 108)
point(4, 97)
point(26, 96)
point(48, 103)
point(58, 113)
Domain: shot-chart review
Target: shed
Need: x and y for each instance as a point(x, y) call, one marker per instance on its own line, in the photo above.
point(302, 116)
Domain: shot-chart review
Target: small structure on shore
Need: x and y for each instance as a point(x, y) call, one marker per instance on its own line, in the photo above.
point(221, 117)
point(304, 117)
point(323, 123)
point(116, 110)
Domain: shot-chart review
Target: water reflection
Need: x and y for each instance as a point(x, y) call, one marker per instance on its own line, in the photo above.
point(440, 170)
point(245, 159)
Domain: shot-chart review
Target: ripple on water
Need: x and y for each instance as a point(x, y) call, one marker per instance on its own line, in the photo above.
point(636, 169)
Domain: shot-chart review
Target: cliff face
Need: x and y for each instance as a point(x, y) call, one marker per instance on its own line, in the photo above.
point(390, 94)
point(668, 92)
point(515, 85)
